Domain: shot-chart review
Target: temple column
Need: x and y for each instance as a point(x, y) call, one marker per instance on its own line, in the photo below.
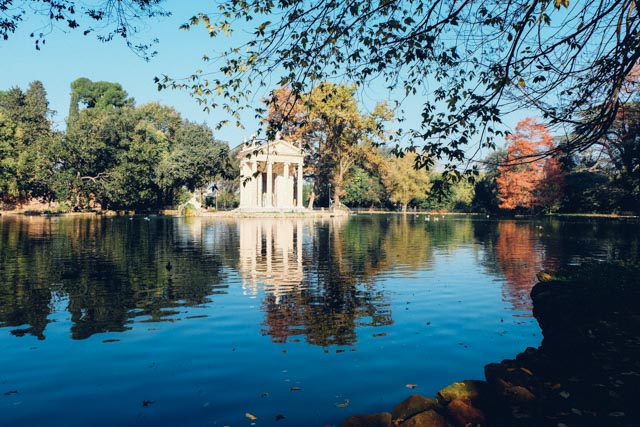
point(299, 196)
point(286, 189)
point(254, 185)
point(269, 202)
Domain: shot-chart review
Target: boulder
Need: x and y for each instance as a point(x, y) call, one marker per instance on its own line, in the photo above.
point(467, 390)
point(413, 405)
point(515, 394)
point(463, 413)
point(428, 418)
point(373, 420)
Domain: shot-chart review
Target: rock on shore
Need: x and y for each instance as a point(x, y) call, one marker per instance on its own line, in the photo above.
point(585, 373)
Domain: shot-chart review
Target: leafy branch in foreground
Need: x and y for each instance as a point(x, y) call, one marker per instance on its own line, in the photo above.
point(471, 62)
point(106, 19)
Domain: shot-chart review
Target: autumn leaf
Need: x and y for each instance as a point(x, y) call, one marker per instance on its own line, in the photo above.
point(343, 404)
point(543, 276)
point(251, 416)
point(527, 371)
point(295, 389)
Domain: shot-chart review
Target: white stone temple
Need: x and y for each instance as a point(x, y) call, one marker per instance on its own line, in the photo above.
point(271, 176)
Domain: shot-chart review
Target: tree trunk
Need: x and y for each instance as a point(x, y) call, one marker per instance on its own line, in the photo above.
point(312, 199)
point(336, 198)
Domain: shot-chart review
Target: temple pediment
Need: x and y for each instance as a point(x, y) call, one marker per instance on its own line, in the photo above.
point(278, 148)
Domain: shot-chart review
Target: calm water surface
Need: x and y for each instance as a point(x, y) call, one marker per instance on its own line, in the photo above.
point(293, 322)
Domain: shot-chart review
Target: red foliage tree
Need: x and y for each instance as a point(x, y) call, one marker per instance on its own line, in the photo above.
point(528, 180)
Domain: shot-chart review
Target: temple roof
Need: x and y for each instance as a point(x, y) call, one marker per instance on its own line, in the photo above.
point(277, 148)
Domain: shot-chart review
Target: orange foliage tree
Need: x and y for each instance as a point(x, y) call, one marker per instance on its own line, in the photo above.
point(527, 180)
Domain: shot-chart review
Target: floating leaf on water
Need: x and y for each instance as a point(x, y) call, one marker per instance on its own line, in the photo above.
point(343, 404)
point(295, 389)
point(381, 334)
point(251, 416)
point(411, 385)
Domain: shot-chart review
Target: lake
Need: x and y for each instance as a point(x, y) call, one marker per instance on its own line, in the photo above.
point(160, 321)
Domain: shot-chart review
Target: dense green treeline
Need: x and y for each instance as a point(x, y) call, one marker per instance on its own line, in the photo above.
point(116, 155)
point(112, 155)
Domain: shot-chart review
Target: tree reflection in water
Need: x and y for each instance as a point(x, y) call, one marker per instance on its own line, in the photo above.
point(317, 279)
point(104, 271)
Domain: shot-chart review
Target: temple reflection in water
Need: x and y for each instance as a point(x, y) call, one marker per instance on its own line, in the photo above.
point(271, 254)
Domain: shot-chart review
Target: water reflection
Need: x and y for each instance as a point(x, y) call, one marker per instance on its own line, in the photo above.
point(519, 256)
point(271, 255)
point(311, 279)
point(104, 272)
point(316, 279)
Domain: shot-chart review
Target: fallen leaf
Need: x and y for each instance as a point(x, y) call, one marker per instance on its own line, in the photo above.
point(344, 404)
point(251, 416)
point(411, 385)
point(295, 389)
